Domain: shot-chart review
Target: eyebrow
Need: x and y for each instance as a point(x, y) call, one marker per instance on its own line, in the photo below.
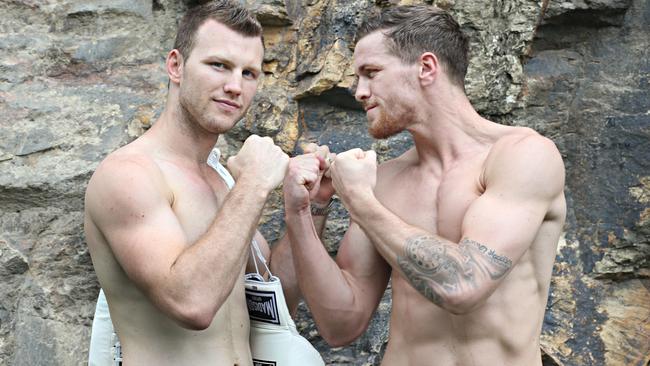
point(366, 66)
point(226, 61)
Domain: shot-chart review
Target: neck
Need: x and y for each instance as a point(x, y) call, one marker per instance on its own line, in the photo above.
point(448, 127)
point(181, 136)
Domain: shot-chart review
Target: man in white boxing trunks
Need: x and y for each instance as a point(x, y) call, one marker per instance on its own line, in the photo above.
point(466, 223)
point(169, 240)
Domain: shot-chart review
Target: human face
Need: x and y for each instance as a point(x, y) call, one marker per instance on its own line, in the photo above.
point(220, 77)
point(385, 87)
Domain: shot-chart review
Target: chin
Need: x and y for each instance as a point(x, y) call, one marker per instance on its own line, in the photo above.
point(219, 125)
point(383, 134)
point(384, 130)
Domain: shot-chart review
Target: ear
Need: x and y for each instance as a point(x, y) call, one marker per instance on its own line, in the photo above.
point(174, 66)
point(429, 68)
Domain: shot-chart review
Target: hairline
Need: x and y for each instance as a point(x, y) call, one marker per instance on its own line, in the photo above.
point(194, 37)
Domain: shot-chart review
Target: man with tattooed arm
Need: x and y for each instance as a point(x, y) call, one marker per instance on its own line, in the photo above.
point(466, 223)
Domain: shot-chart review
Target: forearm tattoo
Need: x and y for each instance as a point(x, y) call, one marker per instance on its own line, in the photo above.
point(439, 270)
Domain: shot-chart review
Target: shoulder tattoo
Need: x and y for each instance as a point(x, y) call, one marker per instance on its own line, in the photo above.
point(439, 270)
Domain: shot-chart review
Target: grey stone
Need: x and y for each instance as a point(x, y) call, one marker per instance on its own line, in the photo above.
point(142, 8)
point(270, 12)
point(12, 262)
point(5, 156)
point(105, 49)
point(585, 8)
point(46, 342)
point(81, 78)
point(35, 141)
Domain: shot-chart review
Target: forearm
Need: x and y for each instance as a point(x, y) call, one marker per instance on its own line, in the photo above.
point(204, 274)
point(319, 222)
point(386, 231)
point(455, 276)
point(282, 262)
point(323, 284)
point(282, 267)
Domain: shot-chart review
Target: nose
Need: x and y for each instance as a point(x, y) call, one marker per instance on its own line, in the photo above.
point(233, 85)
point(362, 91)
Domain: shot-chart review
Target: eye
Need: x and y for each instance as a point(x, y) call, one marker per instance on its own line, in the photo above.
point(218, 65)
point(249, 74)
point(371, 73)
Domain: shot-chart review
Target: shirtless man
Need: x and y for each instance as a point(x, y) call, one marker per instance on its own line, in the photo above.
point(466, 223)
point(168, 240)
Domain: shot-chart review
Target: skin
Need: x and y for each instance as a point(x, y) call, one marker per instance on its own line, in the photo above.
point(466, 225)
point(169, 242)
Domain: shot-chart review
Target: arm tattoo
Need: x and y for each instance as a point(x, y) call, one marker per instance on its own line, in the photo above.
point(438, 270)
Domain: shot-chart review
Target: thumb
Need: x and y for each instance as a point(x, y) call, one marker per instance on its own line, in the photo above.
point(357, 153)
point(231, 163)
point(309, 148)
point(370, 155)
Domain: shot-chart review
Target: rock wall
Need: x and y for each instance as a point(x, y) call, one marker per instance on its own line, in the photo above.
point(80, 78)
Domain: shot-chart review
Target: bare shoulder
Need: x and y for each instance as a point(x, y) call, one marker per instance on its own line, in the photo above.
point(125, 178)
point(523, 139)
point(524, 157)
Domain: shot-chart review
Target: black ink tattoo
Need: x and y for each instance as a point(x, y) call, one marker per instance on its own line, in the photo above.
point(440, 270)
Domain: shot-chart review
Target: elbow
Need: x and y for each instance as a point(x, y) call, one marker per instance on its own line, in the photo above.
point(187, 306)
point(339, 340)
point(342, 333)
point(191, 313)
point(460, 309)
point(194, 318)
point(462, 303)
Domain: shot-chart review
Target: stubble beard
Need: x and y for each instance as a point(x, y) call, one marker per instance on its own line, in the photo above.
point(200, 119)
point(388, 125)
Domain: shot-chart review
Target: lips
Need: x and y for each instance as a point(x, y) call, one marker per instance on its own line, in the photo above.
point(369, 107)
point(228, 103)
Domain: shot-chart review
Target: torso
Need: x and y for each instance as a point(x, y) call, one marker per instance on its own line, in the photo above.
point(505, 329)
point(147, 336)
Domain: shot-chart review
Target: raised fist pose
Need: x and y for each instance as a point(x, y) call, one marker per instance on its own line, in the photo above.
point(169, 235)
point(466, 223)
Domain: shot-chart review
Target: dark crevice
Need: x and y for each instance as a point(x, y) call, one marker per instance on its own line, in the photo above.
point(336, 97)
point(589, 18)
point(157, 6)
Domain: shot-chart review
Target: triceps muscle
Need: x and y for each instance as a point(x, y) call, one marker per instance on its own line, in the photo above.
point(439, 270)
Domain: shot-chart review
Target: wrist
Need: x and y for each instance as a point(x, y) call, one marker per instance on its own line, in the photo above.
point(321, 208)
point(292, 216)
point(300, 210)
point(255, 184)
point(361, 202)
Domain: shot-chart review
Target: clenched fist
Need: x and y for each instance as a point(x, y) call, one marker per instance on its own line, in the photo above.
point(259, 162)
point(305, 181)
point(354, 173)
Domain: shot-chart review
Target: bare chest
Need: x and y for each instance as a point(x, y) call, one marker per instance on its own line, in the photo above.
point(436, 203)
point(197, 197)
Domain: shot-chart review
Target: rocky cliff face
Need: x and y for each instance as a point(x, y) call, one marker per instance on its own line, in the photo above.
point(80, 78)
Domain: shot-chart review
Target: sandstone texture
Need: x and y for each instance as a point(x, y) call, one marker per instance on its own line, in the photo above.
point(79, 78)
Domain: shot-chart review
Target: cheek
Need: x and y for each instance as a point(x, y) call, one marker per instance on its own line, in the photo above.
point(190, 84)
point(250, 89)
